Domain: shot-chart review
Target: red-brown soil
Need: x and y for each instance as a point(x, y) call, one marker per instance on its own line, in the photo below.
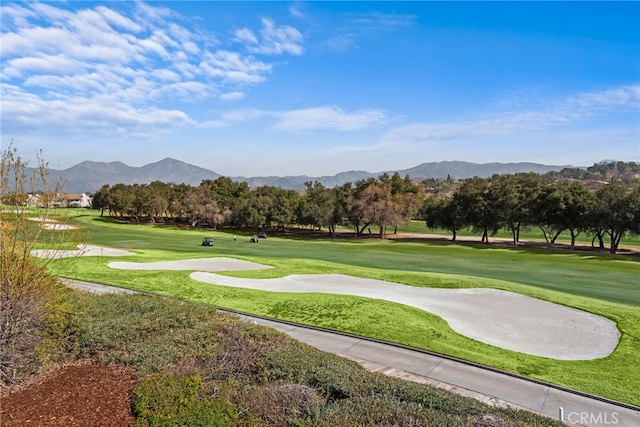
point(88, 393)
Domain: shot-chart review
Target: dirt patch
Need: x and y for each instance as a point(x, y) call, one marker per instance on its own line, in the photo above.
point(88, 393)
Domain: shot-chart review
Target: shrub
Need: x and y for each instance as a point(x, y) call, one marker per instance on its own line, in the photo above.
point(148, 333)
point(31, 319)
point(177, 400)
point(32, 305)
point(281, 405)
point(384, 411)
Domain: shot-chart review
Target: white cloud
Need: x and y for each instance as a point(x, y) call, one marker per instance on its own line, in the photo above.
point(378, 21)
point(53, 64)
point(273, 40)
point(21, 108)
point(119, 20)
point(246, 35)
point(133, 56)
point(296, 10)
point(341, 43)
point(557, 112)
point(232, 96)
point(50, 12)
point(233, 67)
point(166, 75)
point(332, 118)
point(625, 97)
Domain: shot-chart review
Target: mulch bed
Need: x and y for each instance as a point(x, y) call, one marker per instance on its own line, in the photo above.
point(88, 393)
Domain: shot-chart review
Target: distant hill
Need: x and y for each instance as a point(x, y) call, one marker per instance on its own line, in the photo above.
point(462, 170)
point(88, 177)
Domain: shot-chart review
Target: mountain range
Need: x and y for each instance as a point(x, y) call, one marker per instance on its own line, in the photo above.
point(88, 176)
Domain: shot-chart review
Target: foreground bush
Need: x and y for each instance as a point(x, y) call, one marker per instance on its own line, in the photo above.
point(32, 318)
point(177, 400)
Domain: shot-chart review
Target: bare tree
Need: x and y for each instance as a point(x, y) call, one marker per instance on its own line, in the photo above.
point(29, 296)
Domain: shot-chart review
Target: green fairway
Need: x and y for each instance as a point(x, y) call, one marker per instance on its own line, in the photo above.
point(599, 284)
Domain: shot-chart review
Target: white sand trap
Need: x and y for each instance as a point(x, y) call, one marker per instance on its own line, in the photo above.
point(50, 226)
point(83, 250)
point(500, 318)
point(201, 264)
point(42, 219)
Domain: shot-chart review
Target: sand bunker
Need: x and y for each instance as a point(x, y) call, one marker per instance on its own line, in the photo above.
point(58, 227)
point(201, 264)
point(500, 318)
point(52, 224)
point(41, 219)
point(83, 250)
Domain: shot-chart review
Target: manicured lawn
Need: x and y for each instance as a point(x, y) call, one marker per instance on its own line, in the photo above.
point(600, 284)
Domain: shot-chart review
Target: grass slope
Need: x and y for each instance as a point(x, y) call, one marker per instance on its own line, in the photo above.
point(601, 285)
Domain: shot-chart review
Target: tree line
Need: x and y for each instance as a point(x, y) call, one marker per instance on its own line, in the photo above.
point(388, 200)
point(607, 211)
point(515, 202)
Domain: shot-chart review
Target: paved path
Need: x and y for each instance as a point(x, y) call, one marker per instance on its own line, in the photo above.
point(486, 385)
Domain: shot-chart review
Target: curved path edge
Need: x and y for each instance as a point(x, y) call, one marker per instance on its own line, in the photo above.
point(484, 383)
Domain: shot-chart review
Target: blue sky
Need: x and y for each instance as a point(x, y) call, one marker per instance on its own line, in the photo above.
point(316, 88)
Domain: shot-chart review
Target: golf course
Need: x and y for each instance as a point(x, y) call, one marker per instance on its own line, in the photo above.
point(569, 318)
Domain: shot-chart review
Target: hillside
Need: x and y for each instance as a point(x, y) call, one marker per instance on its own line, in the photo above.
point(88, 177)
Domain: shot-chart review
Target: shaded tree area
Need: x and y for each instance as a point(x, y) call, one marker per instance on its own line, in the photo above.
point(514, 202)
point(386, 201)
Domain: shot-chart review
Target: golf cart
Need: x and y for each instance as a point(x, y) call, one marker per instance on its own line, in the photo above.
point(262, 235)
point(208, 241)
point(254, 239)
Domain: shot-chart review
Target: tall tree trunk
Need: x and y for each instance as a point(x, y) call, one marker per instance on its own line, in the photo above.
point(574, 234)
point(514, 233)
point(544, 233)
point(616, 236)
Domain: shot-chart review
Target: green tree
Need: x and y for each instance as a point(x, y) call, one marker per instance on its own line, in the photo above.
point(319, 207)
point(616, 212)
point(476, 207)
point(548, 212)
point(283, 208)
point(409, 197)
point(443, 212)
point(100, 199)
point(356, 204)
point(574, 205)
point(120, 200)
